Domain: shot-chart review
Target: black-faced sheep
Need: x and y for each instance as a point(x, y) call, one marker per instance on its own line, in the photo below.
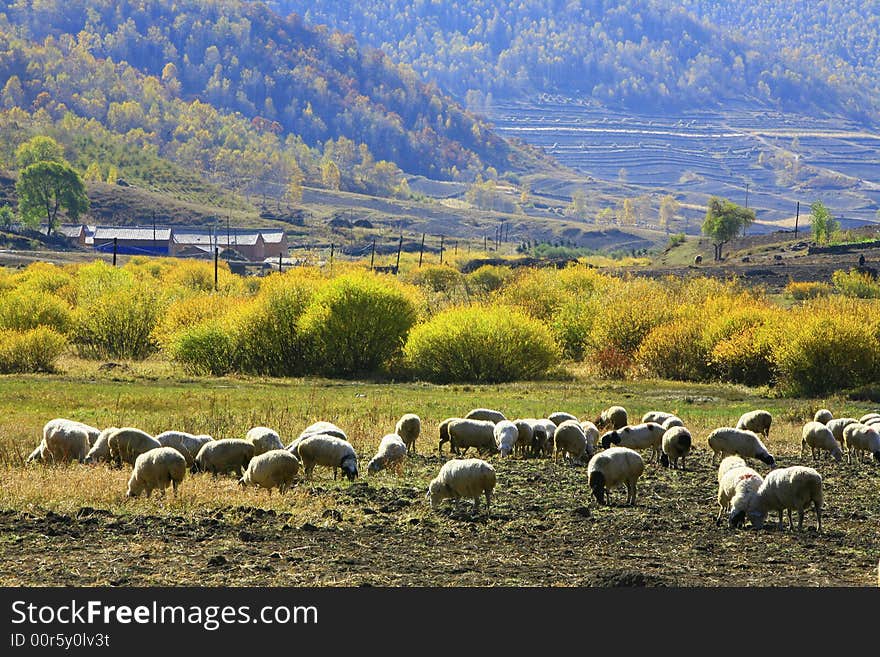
point(725, 441)
point(676, 444)
point(787, 489)
point(408, 427)
point(615, 466)
point(756, 421)
point(327, 451)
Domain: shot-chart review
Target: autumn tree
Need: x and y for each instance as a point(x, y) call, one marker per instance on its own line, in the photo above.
point(823, 224)
point(93, 173)
point(578, 206)
point(45, 188)
point(39, 149)
point(668, 209)
point(724, 221)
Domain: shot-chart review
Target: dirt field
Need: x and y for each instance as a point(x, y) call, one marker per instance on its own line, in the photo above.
point(544, 530)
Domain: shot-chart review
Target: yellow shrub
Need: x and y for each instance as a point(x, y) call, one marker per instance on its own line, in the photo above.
point(34, 350)
point(800, 290)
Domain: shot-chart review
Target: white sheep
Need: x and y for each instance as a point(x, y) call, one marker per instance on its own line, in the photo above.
point(444, 432)
point(871, 421)
point(823, 415)
point(615, 466)
point(672, 421)
point(276, 468)
point(506, 437)
point(317, 429)
point(658, 417)
point(868, 416)
point(729, 440)
point(328, 451)
point(391, 454)
point(591, 431)
point(613, 416)
point(222, 456)
point(837, 425)
point(64, 440)
point(559, 417)
point(467, 478)
point(408, 427)
point(787, 489)
point(526, 434)
point(186, 443)
point(156, 468)
point(861, 438)
point(485, 414)
point(818, 436)
point(756, 421)
point(543, 433)
point(100, 450)
point(465, 433)
point(639, 436)
point(127, 443)
point(676, 444)
point(571, 442)
point(729, 463)
point(735, 492)
point(263, 439)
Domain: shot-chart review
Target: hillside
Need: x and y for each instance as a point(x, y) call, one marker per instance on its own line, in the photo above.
point(236, 94)
point(642, 55)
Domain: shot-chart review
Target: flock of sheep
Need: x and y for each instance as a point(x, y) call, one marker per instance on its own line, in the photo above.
point(261, 459)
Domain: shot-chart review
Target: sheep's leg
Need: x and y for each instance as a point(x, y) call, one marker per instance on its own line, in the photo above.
point(779, 524)
point(800, 520)
point(818, 508)
point(488, 495)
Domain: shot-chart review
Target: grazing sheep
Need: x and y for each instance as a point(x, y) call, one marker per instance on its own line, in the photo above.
point(823, 415)
point(658, 417)
point(156, 468)
point(757, 421)
point(818, 437)
point(328, 451)
point(698, 259)
point(526, 433)
point(676, 444)
point(729, 463)
point(871, 421)
point(729, 440)
point(408, 427)
point(185, 443)
point(463, 478)
point(591, 431)
point(127, 443)
point(263, 439)
point(861, 438)
point(391, 454)
point(837, 425)
point(64, 440)
point(465, 433)
point(571, 442)
point(543, 432)
point(222, 456)
point(614, 467)
point(506, 437)
point(100, 450)
point(444, 432)
point(735, 492)
point(785, 489)
point(868, 416)
point(672, 421)
point(276, 468)
point(613, 416)
point(639, 436)
point(318, 428)
point(486, 415)
point(559, 417)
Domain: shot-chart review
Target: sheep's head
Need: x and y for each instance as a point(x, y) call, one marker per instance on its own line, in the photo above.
point(349, 467)
point(612, 437)
point(736, 518)
point(664, 460)
point(757, 518)
point(376, 464)
point(766, 458)
point(597, 485)
point(877, 456)
point(437, 492)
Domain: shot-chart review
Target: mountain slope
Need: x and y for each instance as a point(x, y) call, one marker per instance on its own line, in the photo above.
point(280, 74)
point(644, 55)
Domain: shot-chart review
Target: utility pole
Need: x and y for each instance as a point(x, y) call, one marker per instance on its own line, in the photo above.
point(797, 218)
point(373, 254)
point(441, 249)
point(422, 250)
point(399, 247)
point(114, 251)
point(331, 258)
point(216, 258)
point(155, 246)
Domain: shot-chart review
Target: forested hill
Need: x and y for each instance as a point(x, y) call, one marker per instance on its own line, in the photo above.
point(284, 76)
point(638, 54)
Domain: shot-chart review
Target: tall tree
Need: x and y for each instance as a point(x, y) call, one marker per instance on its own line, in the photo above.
point(822, 222)
point(44, 188)
point(724, 220)
point(668, 209)
point(39, 149)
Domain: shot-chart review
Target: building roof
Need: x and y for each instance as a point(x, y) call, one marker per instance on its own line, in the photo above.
point(133, 233)
point(71, 230)
point(235, 238)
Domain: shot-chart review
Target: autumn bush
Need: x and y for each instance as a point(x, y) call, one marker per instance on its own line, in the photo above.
point(32, 350)
point(476, 344)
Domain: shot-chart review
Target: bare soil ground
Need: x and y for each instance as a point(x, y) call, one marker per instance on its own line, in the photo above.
point(543, 530)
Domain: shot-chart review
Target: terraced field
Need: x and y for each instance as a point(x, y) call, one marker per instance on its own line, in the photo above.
point(781, 158)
